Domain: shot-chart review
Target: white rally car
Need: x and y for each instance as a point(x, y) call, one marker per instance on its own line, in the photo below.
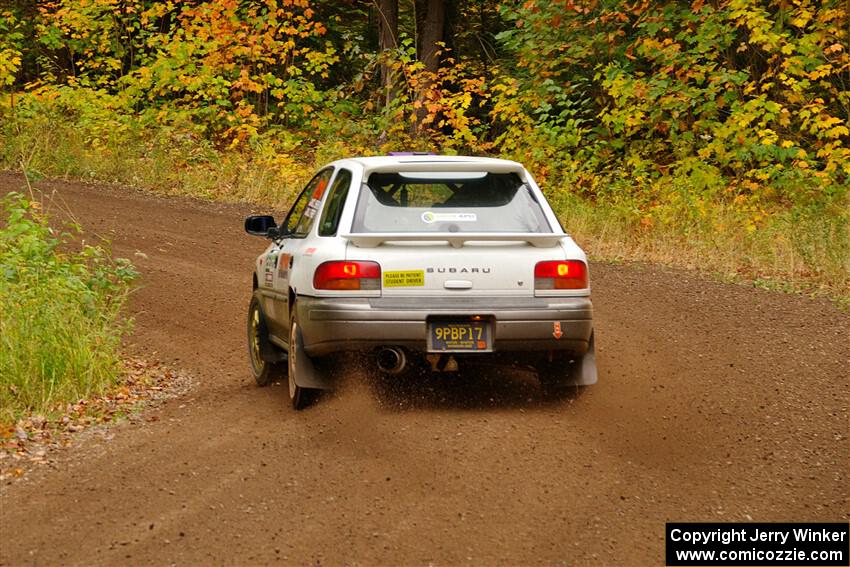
point(419, 259)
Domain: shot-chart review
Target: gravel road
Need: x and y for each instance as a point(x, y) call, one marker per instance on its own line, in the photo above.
point(715, 402)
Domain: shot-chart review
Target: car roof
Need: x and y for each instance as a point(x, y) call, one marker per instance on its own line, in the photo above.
point(431, 163)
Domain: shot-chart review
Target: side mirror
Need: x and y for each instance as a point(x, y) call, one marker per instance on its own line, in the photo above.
point(261, 225)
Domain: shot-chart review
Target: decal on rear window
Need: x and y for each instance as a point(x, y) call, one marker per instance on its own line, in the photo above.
point(429, 217)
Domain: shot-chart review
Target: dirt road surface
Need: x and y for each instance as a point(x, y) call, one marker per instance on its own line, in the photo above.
point(715, 403)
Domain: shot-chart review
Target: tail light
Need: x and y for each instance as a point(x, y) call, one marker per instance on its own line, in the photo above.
point(348, 276)
point(568, 274)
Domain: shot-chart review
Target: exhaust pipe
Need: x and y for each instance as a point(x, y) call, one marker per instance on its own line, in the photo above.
point(391, 360)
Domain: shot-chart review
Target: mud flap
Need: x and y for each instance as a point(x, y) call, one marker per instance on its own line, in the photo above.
point(307, 375)
point(585, 371)
point(268, 352)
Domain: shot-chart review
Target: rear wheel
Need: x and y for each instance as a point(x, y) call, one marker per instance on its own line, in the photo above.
point(565, 369)
point(264, 372)
point(559, 372)
point(300, 396)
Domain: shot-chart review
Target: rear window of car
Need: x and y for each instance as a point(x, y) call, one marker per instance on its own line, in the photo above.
point(448, 202)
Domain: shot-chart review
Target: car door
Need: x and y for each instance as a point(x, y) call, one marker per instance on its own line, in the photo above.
point(295, 229)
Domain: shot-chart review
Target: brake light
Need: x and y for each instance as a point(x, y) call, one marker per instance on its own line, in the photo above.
point(569, 274)
point(349, 275)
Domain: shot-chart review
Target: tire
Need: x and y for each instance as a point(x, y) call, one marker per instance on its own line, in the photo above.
point(264, 372)
point(299, 396)
point(559, 373)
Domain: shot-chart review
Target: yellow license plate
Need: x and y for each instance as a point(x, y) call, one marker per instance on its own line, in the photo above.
point(458, 336)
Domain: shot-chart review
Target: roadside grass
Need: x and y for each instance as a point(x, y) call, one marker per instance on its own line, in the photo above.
point(60, 313)
point(166, 160)
point(790, 252)
point(795, 248)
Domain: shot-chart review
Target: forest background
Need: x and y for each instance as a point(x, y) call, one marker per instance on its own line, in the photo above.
point(705, 134)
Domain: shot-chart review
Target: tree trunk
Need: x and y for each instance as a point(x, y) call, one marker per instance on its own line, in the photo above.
point(387, 39)
point(430, 20)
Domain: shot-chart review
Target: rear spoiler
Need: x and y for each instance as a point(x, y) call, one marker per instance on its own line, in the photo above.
point(456, 239)
point(425, 166)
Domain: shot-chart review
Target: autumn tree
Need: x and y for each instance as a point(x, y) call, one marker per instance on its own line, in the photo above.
point(430, 21)
point(387, 40)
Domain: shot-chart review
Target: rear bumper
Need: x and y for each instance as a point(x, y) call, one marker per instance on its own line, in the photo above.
point(519, 324)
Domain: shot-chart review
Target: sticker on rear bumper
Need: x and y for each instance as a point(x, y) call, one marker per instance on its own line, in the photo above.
point(407, 278)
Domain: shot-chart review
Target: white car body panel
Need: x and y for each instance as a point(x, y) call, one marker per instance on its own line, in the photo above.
point(514, 257)
point(490, 268)
point(487, 274)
